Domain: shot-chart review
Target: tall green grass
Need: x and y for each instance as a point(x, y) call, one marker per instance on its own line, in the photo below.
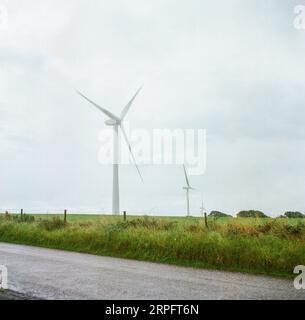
point(262, 246)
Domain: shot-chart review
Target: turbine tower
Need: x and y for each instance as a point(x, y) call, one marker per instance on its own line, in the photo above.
point(187, 188)
point(204, 214)
point(117, 123)
point(202, 209)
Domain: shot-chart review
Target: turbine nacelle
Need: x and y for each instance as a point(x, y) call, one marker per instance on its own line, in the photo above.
point(188, 188)
point(112, 122)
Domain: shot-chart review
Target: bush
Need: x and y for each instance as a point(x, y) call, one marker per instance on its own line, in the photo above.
point(195, 228)
point(294, 215)
point(151, 223)
point(240, 230)
point(218, 214)
point(25, 218)
point(294, 230)
point(251, 214)
point(17, 218)
point(5, 217)
point(51, 225)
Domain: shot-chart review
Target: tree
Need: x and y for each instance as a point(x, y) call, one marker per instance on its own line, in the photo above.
point(218, 214)
point(251, 214)
point(294, 215)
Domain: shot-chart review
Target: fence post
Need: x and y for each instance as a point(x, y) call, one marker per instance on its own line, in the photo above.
point(206, 220)
point(65, 217)
point(125, 216)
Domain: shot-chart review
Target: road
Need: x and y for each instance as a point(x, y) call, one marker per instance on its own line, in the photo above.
point(54, 274)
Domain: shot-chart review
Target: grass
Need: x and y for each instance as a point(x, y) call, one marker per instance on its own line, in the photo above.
point(260, 246)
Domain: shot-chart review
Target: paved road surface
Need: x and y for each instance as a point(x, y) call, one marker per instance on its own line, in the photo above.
point(54, 274)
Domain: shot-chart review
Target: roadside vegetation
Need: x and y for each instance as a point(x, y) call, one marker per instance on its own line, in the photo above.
point(254, 245)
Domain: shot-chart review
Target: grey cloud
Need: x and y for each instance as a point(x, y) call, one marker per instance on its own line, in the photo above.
point(233, 67)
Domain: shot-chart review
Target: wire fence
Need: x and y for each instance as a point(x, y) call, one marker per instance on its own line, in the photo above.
point(51, 211)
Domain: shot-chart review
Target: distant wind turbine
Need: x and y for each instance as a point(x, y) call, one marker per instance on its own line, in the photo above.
point(187, 188)
point(202, 209)
point(204, 214)
point(117, 122)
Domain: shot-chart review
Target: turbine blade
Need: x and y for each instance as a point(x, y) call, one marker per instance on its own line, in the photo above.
point(127, 108)
point(186, 177)
point(130, 150)
point(106, 112)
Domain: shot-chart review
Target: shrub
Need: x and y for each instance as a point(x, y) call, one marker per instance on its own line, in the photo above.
point(5, 217)
point(239, 230)
point(267, 227)
point(193, 228)
point(24, 218)
point(218, 214)
point(294, 215)
point(51, 225)
point(251, 214)
point(294, 230)
point(150, 223)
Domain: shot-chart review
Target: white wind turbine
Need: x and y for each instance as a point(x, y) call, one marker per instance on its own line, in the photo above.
point(187, 188)
point(117, 122)
point(202, 208)
point(204, 213)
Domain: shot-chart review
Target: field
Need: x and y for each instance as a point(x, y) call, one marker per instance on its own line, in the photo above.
point(260, 246)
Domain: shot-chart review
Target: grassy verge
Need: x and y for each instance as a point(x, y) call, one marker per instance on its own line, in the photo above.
point(271, 247)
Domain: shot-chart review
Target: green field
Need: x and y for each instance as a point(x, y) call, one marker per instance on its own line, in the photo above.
point(261, 246)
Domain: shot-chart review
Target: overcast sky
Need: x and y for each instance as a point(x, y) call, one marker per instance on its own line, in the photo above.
point(235, 68)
